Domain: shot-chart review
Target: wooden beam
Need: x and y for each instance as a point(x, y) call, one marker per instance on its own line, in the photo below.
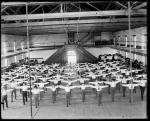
point(4, 8)
point(12, 10)
point(38, 3)
point(35, 9)
point(93, 6)
point(140, 6)
point(81, 26)
point(11, 25)
point(120, 4)
point(74, 14)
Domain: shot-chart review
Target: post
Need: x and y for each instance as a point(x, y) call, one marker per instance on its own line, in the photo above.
point(129, 25)
point(29, 58)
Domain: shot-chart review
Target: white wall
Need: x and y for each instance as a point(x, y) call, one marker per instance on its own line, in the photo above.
point(11, 42)
point(139, 32)
point(42, 54)
point(106, 36)
point(48, 40)
point(100, 51)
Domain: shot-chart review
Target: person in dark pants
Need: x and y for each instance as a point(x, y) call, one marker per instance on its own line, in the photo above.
point(124, 81)
point(13, 86)
point(24, 93)
point(4, 92)
point(113, 88)
point(99, 91)
point(142, 84)
point(131, 88)
point(142, 92)
point(36, 93)
point(53, 88)
point(67, 90)
point(83, 86)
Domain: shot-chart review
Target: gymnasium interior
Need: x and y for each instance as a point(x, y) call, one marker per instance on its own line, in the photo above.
point(72, 39)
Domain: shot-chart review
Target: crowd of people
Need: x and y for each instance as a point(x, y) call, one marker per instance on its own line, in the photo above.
point(36, 80)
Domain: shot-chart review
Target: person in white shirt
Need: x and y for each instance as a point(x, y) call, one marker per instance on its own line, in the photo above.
point(131, 86)
point(113, 84)
point(53, 89)
point(142, 84)
point(83, 87)
point(13, 86)
point(24, 92)
point(36, 93)
point(41, 86)
point(124, 81)
point(67, 89)
point(99, 92)
point(4, 92)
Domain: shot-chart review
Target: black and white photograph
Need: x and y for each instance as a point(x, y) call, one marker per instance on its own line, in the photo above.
point(74, 60)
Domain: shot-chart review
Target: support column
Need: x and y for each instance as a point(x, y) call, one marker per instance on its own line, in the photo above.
point(126, 41)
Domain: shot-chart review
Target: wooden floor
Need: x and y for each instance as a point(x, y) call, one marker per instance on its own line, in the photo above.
point(121, 108)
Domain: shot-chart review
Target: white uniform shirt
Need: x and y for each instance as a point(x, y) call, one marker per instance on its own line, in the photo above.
point(98, 88)
point(53, 89)
point(113, 84)
point(35, 91)
point(4, 92)
point(131, 86)
point(124, 80)
point(143, 83)
point(24, 88)
point(67, 89)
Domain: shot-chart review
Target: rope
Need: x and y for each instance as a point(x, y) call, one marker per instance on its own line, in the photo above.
point(77, 26)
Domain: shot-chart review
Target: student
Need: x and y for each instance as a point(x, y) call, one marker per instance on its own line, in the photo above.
point(42, 87)
point(67, 89)
point(124, 81)
point(99, 92)
point(13, 86)
point(131, 87)
point(142, 84)
point(53, 88)
point(112, 84)
point(36, 92)
point(4, 93)
point(24, 92)
point(83, 87)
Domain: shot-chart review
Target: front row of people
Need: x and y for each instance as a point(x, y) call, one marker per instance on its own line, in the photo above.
point(98, 86)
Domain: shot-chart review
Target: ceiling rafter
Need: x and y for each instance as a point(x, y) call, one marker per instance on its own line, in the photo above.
point(35, 9)
point(45, 23)
point(12, 10)
point(75, 14)
point(93, 6)
point(54, 8)
point(140, 6)
point(4, 8)
point(120, 4)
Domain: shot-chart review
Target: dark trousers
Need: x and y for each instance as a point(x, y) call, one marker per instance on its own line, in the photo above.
point(83, 95)
point(142, 92)
point(68, 98)
point(124, 90)
point(119, 87)
point(131, 96)
point(24, 94)
point(4, 98)
point(113, 89)
point(53, 96)
point(99, 97)
point(134, 90)
point(109, 89)
point(36, 98)
point(41, 94)
point(14, 91)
